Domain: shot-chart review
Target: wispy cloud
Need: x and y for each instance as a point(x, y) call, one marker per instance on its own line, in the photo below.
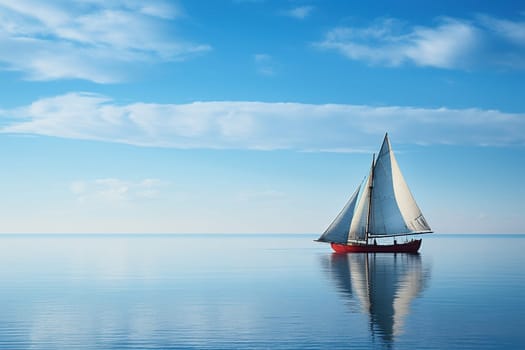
point(265, 64)
point(88, 39)
point(300, 12)
point(259, 125)
point(452, 43)
point(513, 31)
point(115, 190)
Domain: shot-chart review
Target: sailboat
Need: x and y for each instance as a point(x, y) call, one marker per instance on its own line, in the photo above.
point(382, 207)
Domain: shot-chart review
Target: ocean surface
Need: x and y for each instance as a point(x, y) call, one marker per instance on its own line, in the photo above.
point(258, 292)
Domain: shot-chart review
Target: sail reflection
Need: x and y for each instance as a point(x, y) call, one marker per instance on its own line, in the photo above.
point(380, 285)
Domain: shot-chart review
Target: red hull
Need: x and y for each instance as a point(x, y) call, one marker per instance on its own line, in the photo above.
point(408, 247)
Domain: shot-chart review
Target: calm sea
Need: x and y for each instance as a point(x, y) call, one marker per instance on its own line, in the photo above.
point(258, 292)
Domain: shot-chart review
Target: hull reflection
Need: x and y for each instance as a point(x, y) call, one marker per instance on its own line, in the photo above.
point(383, 285)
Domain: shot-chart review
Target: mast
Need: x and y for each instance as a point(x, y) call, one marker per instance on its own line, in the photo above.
point(370, 198)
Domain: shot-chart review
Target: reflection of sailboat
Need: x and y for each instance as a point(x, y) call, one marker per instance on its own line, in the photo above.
point(384, 207)
point(383, 285)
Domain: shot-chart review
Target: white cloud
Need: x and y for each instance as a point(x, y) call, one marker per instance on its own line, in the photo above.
point(452, 43)
point(445, 46)
point(300, 12)
point(259, 125)
point(115, 190)
point(88, 39)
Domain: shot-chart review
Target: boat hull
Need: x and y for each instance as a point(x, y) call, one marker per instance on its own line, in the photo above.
point(408, 247)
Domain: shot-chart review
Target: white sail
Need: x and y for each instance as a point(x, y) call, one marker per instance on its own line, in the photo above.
point(384, 207)
point(337, 232)
point(394, 210)
point(359, 221)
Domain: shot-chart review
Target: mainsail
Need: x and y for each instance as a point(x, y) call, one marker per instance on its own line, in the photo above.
point(383, 207)
point(394, 210)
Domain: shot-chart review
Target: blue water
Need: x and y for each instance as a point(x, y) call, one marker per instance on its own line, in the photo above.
point(258, 292)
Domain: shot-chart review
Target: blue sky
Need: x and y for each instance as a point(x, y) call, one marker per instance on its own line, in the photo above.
point(257, 116)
